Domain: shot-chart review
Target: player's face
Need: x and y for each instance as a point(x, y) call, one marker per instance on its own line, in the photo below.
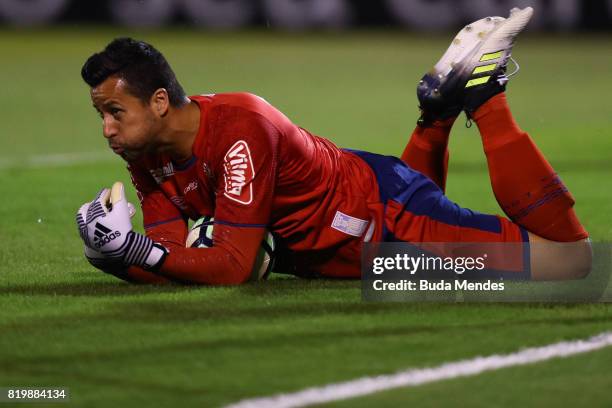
point(129, 125)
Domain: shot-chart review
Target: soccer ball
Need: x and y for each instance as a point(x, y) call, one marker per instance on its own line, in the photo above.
point(200, 236)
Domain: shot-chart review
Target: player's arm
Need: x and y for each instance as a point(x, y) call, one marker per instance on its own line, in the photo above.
point(114, 266)
point(229, 262)
point(247, 145)
point(164, 224)
point(136, 258)
point(243, 203)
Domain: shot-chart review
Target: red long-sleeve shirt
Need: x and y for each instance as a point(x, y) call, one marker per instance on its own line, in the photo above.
point(253, 169)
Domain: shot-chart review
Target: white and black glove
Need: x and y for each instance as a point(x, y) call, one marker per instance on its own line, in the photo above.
point(105, 227)
point(108, 265)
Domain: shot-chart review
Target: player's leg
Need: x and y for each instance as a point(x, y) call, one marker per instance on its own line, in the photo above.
point(418, 212)
point(427, 150)
point(525, 185)
point(552, 260)
point(532, 195)
point(441, 99)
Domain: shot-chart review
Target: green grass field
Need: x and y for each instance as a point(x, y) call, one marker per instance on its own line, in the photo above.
point(62, 323)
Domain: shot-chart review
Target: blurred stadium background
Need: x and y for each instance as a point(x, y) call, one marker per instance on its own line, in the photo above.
point(345, 70)
point(302, 14)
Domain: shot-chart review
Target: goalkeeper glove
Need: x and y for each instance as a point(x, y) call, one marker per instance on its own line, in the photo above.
point(105, 227)
point(96, 259)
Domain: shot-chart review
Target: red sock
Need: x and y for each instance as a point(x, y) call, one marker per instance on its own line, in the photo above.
point(526, 186)
point(427, 151)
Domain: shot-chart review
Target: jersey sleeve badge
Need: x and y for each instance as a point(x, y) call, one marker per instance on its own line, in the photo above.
point(238, 173)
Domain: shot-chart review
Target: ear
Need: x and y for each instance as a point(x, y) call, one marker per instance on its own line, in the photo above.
point(160, 102)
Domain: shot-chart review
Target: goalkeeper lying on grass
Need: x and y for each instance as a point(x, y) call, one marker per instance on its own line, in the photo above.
point(237, 158)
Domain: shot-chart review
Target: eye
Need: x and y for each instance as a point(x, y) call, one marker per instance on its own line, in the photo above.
point(115, 111)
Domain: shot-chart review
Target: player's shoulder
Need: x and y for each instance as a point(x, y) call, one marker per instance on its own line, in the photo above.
point(244, 106)
point(240, 100)
point(245, 100)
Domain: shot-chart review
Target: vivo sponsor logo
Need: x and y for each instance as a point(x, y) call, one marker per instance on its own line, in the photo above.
point(238, 173)
point(163, 172)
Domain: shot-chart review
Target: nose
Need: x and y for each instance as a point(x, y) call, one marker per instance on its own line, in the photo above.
point(109, 127)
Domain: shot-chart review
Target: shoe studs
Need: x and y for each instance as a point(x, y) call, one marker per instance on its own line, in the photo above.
point(502, 80)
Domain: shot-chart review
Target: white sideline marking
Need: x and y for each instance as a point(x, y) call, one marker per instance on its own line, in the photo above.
point(413, 377)
point(55, 160)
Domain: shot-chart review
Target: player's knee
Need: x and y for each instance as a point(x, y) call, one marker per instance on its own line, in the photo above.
point(560, 260)
point(586, 259)
point(577, 260)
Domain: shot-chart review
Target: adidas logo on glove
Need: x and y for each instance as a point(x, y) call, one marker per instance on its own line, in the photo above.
point(104, 235)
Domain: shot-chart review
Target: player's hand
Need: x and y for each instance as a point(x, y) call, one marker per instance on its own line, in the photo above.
point(108, 265)
point(89, 212)
point(85, 215)
point(106, 228)
point(95, 258)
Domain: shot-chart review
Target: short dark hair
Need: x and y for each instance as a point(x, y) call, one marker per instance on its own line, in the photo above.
point(143, 68)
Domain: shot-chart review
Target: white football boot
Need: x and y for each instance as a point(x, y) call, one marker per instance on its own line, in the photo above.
point(473, 68)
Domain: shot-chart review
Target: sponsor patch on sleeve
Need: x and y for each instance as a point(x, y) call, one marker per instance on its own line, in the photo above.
point(349, 225)
point(238, 173)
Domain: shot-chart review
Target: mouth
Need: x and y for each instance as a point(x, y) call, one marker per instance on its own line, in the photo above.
point(116, 148)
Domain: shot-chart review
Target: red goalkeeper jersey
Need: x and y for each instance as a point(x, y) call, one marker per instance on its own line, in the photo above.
point(253, 169)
